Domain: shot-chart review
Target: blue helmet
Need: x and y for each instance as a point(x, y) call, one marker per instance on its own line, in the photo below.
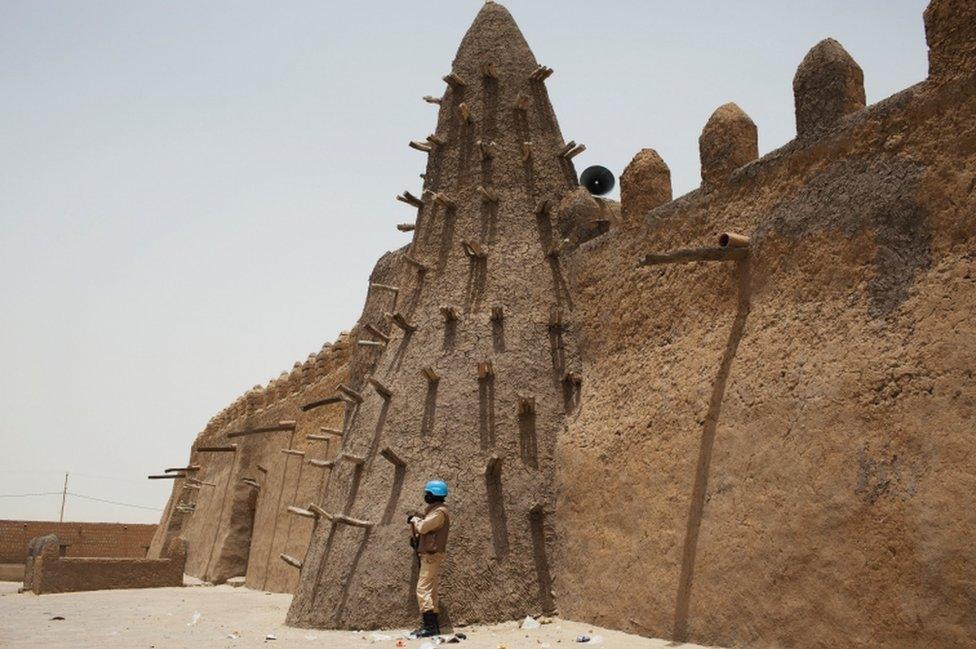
point(436, 488)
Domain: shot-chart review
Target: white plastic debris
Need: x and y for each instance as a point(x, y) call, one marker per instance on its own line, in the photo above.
point(270, 636)
point(530, 623)
point(196, 618)
point(597, 639)
point(379, 637)
point(233, 636)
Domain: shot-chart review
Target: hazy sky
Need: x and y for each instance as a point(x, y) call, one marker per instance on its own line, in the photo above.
point(192, 194)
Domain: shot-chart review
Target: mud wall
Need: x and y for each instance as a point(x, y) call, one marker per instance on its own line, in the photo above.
point(776, 449)
point(234, 511)
point(48, 572)
point(82, 539)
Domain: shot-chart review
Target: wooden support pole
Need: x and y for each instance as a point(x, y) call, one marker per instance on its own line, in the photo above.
point(421, 146)
point(384, 287)
point(277, 428)
point(331, 431)
point(392, 457)
point(217, 449)
point(691, 255)
point(400, 321)
point(526, 151)
point(358, 460)
point(318, 511)
point(381, 389)
point(485, 370)
point(348, 520)
point(489, 70)
point(497, 313)
point(431, 375)
point(444, 199)
point(291, 561)
point(185, 469)
point(526, 406)
point(406, 227)
point(374, 331)
point(432, 100)
point(575, 151)
point(473, 250)
point(454, 81)
point(421, 266)
point(541, 73)
point(733, 240)
point(304, 513)
point(322, 464)
point(312, 437)
point(488, 194)
point(350, 393)
point(321, 402)
point(464, 113)
point(370, 343)
point(168, 476)
point(569, 146)
point(450, 313)
point(293, 451)
point(410, 199)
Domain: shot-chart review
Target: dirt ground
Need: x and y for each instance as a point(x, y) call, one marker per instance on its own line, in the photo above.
point(235, 617)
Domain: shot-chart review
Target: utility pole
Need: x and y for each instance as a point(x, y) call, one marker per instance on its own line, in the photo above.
point(64, 495)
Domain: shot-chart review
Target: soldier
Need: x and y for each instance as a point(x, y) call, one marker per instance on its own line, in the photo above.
point(429, 538)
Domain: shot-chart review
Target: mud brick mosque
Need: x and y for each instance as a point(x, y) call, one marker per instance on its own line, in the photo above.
point(741, 416)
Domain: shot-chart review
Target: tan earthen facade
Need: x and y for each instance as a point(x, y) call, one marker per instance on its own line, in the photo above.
point(764, 445)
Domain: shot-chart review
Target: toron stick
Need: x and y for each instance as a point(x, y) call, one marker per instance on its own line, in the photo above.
point(430, 374)
point(410, 199)
point(217, 449)
point(575, 151)
point(355, 459)
point(526, 151)
point(689, 255)
point(321, 402)
point(421, 146)
point(331, 431)
point(567, 148)
point(406, 227)
point(322, 464)
point(370, 343)
point(733, 240)
point(400, 321)
point(384, 287)
point(279, 427)
point(376, 332)
point(318, 438)
point(450, 313)
point(464, 112)
point(349, 392)
point(293, 451)
point(389, 455)
point(168, 476)
point(381, 389)
point(348, 520)
point(298, 511)
point(318, 511)
point(454, 80)
point(432, 100)
point(433, 138)
point(291, 561)
point(185, 469)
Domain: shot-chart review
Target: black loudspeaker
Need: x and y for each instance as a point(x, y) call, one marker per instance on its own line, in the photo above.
point(598, 180)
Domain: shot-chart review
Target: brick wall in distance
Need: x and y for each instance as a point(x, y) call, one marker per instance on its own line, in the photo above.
point(85, 539)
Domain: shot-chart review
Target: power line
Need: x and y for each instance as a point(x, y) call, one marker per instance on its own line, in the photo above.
point(44, 493)
point(113, 502)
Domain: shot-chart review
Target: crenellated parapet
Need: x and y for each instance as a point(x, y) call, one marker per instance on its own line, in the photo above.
point(828, 85)
point(950, 31)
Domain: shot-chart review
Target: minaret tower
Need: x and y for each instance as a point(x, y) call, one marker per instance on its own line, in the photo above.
point(465, 368)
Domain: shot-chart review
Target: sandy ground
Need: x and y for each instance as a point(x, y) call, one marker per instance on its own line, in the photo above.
point(170, 618)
